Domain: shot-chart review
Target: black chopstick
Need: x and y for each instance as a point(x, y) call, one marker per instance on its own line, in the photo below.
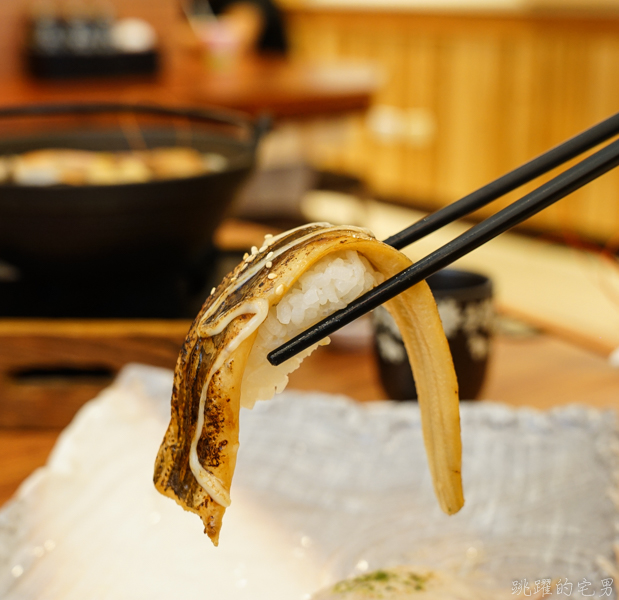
point(506, 183)
point(560, 186)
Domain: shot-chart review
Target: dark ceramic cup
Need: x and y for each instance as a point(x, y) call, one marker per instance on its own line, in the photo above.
point(464, 301)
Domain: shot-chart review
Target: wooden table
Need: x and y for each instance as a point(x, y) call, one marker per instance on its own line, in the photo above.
point(536, 370)
point(256, 85)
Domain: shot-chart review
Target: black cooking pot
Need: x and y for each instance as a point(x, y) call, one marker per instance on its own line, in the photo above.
point(122, 232)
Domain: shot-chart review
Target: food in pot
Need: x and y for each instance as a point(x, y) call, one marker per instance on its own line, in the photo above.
point(58, 166)
point(293, 281)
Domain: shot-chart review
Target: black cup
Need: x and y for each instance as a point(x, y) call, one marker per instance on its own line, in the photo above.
point(464, 301)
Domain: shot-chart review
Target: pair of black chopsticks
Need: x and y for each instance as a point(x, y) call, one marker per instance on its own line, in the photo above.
point(560, 186)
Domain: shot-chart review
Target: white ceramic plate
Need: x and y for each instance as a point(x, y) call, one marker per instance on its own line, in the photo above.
point(325, 488)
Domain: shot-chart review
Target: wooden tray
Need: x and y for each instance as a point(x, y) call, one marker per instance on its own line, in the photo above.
point(48, 369)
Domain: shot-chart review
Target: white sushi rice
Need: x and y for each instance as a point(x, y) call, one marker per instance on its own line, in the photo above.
point(331, 284)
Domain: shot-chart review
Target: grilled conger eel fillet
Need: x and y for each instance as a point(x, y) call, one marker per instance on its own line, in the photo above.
point(196, 460)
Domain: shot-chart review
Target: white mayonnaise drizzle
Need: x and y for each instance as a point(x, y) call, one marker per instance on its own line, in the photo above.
point(259, 307)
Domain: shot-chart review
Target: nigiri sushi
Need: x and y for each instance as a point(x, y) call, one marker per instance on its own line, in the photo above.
point(293, 281)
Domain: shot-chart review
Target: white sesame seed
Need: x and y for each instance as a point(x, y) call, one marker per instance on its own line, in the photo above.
point(212, 291)
point(268, 235)
point(269, 255)
point(245, 256)
point(271, 276)
point(279, 289)
point(263, 248)
point(254, 250)
point(269, 264)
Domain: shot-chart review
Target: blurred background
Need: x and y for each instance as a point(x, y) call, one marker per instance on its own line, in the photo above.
point(362, 112)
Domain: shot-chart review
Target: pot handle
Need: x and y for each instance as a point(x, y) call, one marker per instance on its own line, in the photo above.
point(255, 128)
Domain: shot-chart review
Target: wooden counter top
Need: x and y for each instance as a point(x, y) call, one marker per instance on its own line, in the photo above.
point(458, 8)
point(256, 85)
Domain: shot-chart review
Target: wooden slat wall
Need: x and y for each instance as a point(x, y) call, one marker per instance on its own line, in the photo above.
point(499, 90)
